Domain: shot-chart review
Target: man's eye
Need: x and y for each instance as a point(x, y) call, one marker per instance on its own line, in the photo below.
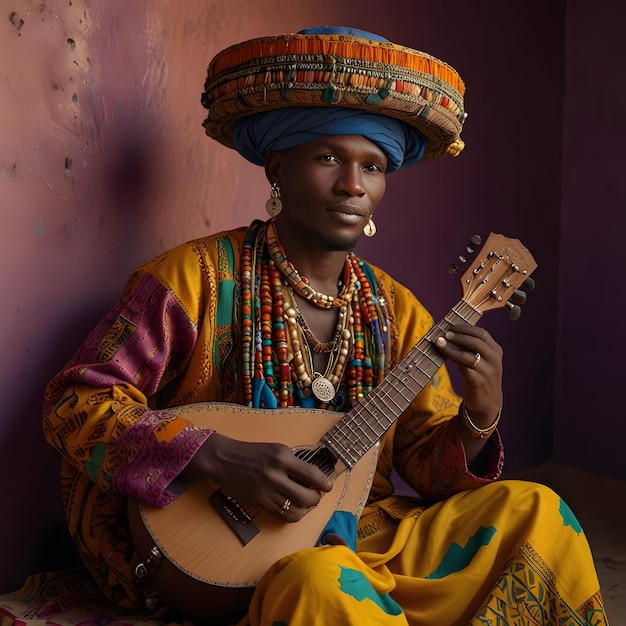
point(328, 158)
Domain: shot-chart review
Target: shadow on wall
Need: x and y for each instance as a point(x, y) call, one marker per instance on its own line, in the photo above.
point(130, 173)
point(33, 529)
point(85, 263)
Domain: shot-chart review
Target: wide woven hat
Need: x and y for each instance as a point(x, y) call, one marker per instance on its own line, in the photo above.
point(357, 71)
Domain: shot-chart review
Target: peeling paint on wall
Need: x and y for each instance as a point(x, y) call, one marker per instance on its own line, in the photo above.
point(8, 173)
point(17, 22)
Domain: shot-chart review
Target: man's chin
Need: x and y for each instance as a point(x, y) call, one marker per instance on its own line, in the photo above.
point(341, 246)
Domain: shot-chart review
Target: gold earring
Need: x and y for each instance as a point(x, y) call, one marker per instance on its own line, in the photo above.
point(370, 228)
point(274, 205)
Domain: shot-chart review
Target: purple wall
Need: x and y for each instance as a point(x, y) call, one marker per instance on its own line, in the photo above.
point(103, 164)
point(589, 419)
point(503, 183)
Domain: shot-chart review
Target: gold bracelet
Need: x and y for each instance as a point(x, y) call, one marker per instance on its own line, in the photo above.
point(474, 431)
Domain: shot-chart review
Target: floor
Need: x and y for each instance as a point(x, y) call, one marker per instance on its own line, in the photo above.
point(599, 503)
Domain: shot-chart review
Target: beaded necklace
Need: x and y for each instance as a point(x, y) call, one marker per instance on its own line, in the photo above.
point(323, 386)
point(300, 283)
point(277, 364)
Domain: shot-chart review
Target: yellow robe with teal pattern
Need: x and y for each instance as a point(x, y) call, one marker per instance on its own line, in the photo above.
point(470, 550)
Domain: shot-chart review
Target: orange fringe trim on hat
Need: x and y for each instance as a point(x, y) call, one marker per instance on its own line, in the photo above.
point(398, 58)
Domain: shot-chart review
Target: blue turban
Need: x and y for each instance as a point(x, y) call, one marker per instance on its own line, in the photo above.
point(257, 135)
point(342, 30)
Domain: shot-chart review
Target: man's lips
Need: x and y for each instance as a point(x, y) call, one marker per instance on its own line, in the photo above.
point(351, 210)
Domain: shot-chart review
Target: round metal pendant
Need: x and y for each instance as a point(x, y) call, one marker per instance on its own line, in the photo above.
point(273, 206)
point(323, 389)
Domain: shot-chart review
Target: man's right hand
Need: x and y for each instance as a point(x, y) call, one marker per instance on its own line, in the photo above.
point(265, 475)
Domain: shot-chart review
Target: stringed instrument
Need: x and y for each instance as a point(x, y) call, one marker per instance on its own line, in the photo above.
point(215, 549)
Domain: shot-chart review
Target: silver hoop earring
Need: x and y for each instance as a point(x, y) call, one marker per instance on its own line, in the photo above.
point(370, 228)
point(274, 205)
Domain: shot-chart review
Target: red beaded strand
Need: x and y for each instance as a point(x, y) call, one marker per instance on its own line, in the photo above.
point(247, 330)
point(279, 332)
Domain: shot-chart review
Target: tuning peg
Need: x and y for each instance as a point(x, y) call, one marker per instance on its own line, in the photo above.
point(473, 242)
point(519, 297)
point(515, 310)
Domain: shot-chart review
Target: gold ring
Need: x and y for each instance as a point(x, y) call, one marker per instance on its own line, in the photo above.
point(285, 507)
point(476, 360)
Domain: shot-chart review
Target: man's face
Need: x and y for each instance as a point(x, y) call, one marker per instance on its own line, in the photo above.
point(329, 188)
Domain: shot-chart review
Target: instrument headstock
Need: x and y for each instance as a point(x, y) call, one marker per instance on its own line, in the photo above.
point(499, 276)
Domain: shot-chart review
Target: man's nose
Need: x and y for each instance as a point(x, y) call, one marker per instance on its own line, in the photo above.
point(350, 180)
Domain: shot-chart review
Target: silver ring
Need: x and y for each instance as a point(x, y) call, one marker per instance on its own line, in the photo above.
point(476, 360)
point(285, 507)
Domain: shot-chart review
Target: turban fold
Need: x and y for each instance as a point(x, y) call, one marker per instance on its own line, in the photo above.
point(257, 135)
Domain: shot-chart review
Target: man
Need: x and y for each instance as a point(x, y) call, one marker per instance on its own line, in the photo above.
point(283, 314)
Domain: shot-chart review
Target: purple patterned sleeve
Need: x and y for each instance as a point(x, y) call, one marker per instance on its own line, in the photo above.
point(148, 466)
point(141, 338)
point(102, 411)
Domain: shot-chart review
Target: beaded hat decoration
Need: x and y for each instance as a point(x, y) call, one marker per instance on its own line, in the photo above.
point(336, 67)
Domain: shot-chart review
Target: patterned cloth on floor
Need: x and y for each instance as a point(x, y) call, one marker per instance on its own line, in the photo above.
point(65, 598)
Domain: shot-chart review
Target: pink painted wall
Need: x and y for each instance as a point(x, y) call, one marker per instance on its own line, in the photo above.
point(103, 164)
